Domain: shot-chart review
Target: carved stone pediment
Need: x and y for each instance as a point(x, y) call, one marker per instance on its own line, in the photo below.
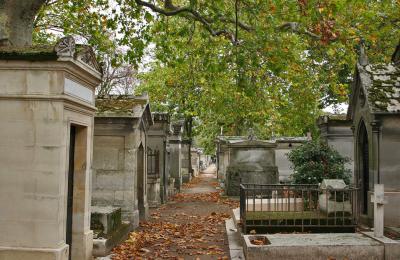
point(67, 47)
point(87, 56)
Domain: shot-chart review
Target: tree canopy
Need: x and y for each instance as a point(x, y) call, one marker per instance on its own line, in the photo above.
point(238, 64)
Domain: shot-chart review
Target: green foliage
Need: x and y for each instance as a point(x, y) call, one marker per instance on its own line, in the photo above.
point(297, 57)
point(315, 161)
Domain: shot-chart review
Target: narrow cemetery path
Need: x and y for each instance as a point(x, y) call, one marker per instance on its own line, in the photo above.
point(190, 226)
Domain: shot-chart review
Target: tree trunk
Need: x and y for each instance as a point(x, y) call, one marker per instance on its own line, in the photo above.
point(16, 21)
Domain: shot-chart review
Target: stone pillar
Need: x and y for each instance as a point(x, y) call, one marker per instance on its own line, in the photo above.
point(47, 104)
point(175, 154)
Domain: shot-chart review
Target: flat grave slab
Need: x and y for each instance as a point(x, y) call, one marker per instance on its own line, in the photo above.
point(314, 246)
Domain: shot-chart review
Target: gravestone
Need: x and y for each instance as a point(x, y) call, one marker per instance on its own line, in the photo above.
point(47, 104)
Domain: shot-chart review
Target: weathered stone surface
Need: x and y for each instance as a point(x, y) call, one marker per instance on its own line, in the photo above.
point(37, 114)
point(374, 112)
point(157, 142)
point(175, 155)
point(314, 246)
point(119, 152)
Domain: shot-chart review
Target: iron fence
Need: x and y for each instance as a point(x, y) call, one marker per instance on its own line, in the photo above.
point(301, 208)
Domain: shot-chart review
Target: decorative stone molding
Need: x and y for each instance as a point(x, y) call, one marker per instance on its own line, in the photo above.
point(376, 125)
point(65, 47)
point(86, 55)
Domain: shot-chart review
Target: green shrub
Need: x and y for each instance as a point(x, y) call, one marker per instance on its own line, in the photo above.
point(315, 161)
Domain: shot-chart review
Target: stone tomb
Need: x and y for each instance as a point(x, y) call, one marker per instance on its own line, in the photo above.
point(251, 161)
point(119, 155)
point(47, 110)
point(186, 164)
point(175, 155)
point(336, 131)
point(195, 158)
point(223, 153)
point(284, 146)
point(157, 173)
point(375, 113)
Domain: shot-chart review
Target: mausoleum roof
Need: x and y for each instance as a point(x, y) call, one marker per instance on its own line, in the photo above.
point(124, 106)
point(251, 143)
point(291, 139)
point(334, 119)
point(65, 49)
point(382, 86)
point(32, 53)
point(227, 138)
point(161, 116)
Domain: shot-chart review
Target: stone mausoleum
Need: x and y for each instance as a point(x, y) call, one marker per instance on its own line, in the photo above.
point(119, 152)
point(250, 161)
point(157, 171)
point(335, 130)
point(280, 146)
point(222, 152)
point(186, 163)
point(175, 155)
point(375, 113)
point(47, 110)
point(283, 146)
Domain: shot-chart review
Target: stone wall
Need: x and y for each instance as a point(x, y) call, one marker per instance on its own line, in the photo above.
point(175, 162)
point(251, 162)
point(38, 110)
point(185, 162)
point(114, 180)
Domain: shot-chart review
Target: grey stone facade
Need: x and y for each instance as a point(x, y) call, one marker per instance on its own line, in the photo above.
point(119, 152)
point(195, 159)
point(157, 142)
point(47, 104)
point(336, 131)
point(251, 161)
point(283, 146)
point(375, 113)
point(186, 164)
point(175, 154)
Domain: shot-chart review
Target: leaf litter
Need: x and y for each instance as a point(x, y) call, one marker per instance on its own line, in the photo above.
point(182, 232)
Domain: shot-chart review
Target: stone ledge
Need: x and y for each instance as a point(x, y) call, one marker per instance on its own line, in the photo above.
point(18, 253)
point(353, 246)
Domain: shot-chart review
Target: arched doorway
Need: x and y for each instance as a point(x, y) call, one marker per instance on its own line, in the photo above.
point(363, 166)
point(140, 181)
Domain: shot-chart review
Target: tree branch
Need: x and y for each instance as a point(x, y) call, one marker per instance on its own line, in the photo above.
point(295, 27)
point(171, 10)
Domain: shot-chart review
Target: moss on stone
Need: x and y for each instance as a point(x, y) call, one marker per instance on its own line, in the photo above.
point(30, 53)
